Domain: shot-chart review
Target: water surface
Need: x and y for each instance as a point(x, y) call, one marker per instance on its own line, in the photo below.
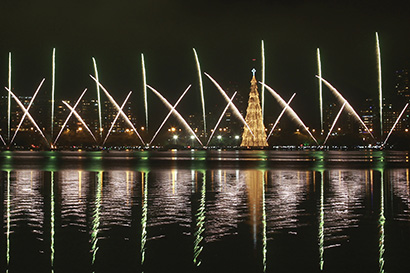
point(205, 211)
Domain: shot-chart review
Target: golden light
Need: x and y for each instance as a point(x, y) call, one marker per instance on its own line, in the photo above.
point(142, 128)
point(406, 130)
point(173, 129)
point(80, 128)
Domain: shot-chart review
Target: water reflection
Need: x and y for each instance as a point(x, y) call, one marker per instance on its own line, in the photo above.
point(311, 218)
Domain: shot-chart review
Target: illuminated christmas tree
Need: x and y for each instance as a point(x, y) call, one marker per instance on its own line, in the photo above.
point(254, 119)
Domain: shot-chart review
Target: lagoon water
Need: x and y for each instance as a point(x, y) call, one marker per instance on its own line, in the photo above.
point(205, 211)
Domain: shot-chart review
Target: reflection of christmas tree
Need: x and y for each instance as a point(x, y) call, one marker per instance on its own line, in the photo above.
point(254, 120)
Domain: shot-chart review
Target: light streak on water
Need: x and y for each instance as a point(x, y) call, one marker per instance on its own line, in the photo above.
point(164, 100)
point(52, 220)
point(220, 118)
point(8, 219)
point(280, 116)
point(28, 108)
point(235, 110)
point(348, 106)
point(201, 88)
point(96, 216)
point(53, 83)
point(263, 78)
point(319, 70)
point(379, 69)
point(144, 83)
point(69, 116)
point(321, 223)
point(264, 237)
point(169, 114)
point(382, 221)
point(98, 95)
point(80, 119)
point(9, 102)
point(28, 114)
point(397, 120)
point(144, 216)
point(118, 108)
point(334, 122)
point(200, 222)
point(293, 114)
point(116, 117)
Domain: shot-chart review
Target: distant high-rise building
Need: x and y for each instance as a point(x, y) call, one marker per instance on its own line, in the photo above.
point(402, 83)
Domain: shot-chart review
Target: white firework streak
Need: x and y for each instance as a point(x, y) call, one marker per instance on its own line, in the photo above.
point(118, 108)
point(69, 116)
point(164, 100)
point(397, 120)
point(220, 118)
point(348, 106)
point(201, 88)
point(144, 82)
point(169, 114)
point(28, 115)
point(236, 111)
point(293, 114)
point(116, 117)
point(280, 116)
point(28, 108)
point(80, 119)
point(334, 122)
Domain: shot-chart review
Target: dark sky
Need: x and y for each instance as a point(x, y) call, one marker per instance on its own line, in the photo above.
point(227, 36)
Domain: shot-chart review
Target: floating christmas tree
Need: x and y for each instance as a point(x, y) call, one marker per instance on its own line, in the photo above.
point(256, 138)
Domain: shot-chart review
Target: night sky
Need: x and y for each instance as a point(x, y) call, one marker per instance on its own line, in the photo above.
point(227, 37)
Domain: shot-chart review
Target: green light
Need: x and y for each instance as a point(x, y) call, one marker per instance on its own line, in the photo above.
point(264, 237)
point(382, 221)
point(52, 221)
point(200, 222)
point(96, 215)
point(321, 223)
point(8, 219)
point(144, 215)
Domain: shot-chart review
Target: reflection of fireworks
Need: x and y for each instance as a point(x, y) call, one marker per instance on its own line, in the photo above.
point(164, 100)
